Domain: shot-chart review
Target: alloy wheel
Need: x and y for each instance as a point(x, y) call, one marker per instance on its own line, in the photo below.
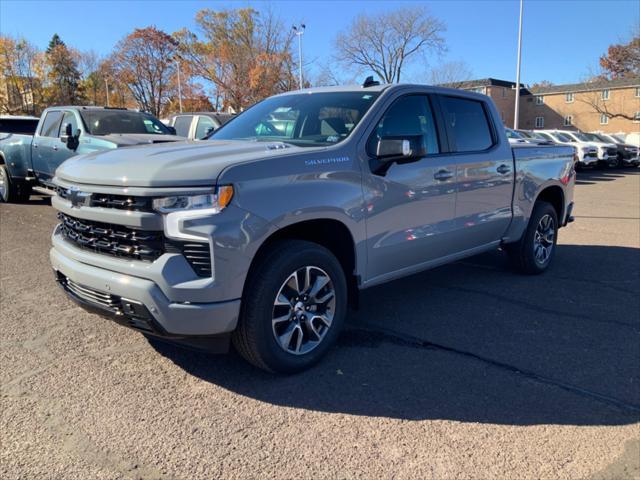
point(543, 239)
point(303, 310)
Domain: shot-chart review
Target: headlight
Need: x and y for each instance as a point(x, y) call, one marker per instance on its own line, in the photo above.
point(586, 149)
point(214, 202)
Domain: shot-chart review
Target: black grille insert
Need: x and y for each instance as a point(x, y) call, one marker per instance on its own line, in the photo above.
point(126, 242)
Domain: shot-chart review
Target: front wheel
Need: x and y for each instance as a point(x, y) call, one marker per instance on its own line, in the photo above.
point(293, 307)
point(535, 250)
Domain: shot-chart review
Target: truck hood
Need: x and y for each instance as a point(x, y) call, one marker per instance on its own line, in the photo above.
point(176, 164)
point(129, 139)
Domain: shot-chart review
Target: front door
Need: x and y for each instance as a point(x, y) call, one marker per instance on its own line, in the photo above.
point(410, 206)
point(45, 144)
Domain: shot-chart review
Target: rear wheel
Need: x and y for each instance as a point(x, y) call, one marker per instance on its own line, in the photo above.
point(10, 190)
point(535, 250)
point(293, 307)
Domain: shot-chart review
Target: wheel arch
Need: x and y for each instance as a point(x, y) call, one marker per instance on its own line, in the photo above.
point(554, 195)
point(327, 232)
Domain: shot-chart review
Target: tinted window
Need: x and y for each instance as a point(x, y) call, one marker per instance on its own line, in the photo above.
point(323, 118)
point(182, 124)
point(468, 122)
point(408, 116)
point(51, 124)
point(69, 118)
point(204, 124)
point(19, 126)
point(106, 122)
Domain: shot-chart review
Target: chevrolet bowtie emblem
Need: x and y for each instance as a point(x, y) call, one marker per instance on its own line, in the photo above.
point(78, 198)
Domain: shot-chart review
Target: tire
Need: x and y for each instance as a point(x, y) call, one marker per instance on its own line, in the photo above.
point(525, 255)
point(264, 326)
point(10, 190)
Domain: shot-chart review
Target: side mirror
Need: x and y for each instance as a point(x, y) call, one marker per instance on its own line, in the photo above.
point(67, 133)
point(208, 131)
point(172, 130)
point(397, 148)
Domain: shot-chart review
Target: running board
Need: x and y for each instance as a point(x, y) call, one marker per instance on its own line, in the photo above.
point(44, 190)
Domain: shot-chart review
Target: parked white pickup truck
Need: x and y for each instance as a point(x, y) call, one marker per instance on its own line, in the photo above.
point(587, 154)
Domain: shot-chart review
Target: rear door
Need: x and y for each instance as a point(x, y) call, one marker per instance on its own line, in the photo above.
point(485, 173)
point(46, 143)
point(410, 206)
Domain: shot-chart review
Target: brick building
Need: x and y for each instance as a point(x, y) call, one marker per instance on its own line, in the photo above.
point(589, 106)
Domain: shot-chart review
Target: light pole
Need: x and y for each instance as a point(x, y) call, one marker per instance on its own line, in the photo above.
point(299, 30)
point(106, 88)
point(517, 109)
point(179, 86)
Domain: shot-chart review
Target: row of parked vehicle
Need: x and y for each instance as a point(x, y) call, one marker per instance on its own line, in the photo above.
point(604, 149)
point(31, 148)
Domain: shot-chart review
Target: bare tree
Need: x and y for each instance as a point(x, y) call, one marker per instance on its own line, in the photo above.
point(611, 110)
point(451, 74)
point(386, 42)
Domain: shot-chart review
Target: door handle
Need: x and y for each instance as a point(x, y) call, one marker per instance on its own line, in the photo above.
point(35, 145)
point(443, 175)
point(55, 148)
point(503, 169)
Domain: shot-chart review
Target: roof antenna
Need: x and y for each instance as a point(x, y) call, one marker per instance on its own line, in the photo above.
point(370, 82)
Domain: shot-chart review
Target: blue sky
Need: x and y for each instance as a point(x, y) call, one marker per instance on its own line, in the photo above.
point(562, 40)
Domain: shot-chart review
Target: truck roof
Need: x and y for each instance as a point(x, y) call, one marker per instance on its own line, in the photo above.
point(92, 107)
point(387, 86)
point(18, 117)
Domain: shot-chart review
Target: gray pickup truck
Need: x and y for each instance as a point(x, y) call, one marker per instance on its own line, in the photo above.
point(265, 233)
point(30, 151)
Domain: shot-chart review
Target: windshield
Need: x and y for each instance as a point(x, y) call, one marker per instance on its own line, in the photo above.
point(106, 122)
point(513, 134)
point(305, 119)
point(561, 137)
point(582, 137)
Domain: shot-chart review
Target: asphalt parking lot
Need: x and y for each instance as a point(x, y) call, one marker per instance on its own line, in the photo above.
point(465, 371)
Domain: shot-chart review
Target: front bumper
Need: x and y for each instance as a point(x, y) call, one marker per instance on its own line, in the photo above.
point(139, 303)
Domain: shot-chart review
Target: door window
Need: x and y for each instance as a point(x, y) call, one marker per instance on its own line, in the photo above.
point(51, 124)
point(204, 124)
point(408, 116)
point(468, 122)
point(68, 118)
point(182, 124)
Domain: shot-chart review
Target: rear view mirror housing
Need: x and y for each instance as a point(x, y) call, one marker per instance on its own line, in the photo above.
point(69, 138)
point(406, 147)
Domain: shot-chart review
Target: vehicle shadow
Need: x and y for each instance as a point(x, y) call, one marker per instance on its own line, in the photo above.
point(605, 174)
point(473, 342)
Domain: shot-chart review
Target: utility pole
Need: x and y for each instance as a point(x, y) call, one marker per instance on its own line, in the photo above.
point(179, 87)
point(106, 88)
point(299, 32)
point(517, 109)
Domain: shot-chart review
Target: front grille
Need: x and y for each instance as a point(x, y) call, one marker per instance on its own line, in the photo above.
point(612, 152)
point(593, 154)
point(116, 240)
point(121, 202)
point(130, 243)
